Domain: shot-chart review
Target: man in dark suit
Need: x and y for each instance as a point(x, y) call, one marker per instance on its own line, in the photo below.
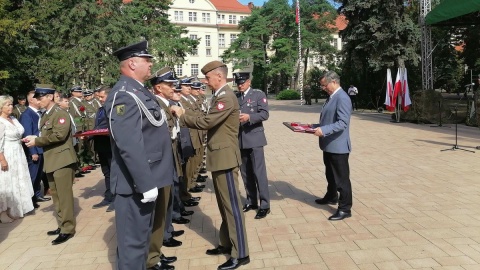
point(334, 140)
point(223, 160)
point(251, 139)
point(101, 145)
point(142, 161)
point(30, 120)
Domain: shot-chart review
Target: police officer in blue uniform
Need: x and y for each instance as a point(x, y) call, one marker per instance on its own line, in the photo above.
point(251, 139)
point(142, 161)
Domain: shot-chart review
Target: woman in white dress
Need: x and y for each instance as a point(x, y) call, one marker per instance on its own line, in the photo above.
point(16, 189)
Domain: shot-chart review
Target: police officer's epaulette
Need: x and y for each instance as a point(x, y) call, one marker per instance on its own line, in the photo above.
point(221, 94)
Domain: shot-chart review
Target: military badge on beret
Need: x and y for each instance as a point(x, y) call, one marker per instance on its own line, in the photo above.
point(120, 109)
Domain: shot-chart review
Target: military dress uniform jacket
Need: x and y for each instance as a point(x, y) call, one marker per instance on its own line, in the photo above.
point(189, 105)
point(142, 153)
point(75, 110)
point(221, 121)
point(90, 111)
point(171, 124)
point(18, 110)
point(56, 140)
point(252, 132)
point(185, 141)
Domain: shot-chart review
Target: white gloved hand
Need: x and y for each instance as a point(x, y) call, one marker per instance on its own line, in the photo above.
point(150, 196)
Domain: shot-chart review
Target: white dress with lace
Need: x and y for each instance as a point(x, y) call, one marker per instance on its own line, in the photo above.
point(16, 189)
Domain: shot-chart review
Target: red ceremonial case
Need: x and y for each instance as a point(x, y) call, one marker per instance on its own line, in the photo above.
point(299, 127)
point(95, 132)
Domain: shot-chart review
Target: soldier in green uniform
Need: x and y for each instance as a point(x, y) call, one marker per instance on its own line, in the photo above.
point(77, 111)
point(20, 107)
point(223, 160)
point(91, 108)
point(60, 161)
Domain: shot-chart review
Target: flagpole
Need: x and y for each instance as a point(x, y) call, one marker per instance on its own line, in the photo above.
point(300, 60)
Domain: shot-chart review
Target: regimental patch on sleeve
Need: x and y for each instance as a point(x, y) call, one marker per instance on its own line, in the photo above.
point(61, 121)
point(120, 109)
point(220, 106)
point(264, 100)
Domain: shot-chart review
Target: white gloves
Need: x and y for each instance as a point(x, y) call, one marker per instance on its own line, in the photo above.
point(150, 196)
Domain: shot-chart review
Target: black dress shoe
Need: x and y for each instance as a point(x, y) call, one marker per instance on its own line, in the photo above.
point(167, 260)
point(248, 207)
point(177, 233)
point(36, 205)
point(195, 199)
point(195, 190)
point(62, 238)
point(171, 242)
point(190, 203)
point(180, 220)
point(201, 179)
point(339, 215)
point(186, 213)
point(326, 201)
point(101, 204)
point(54, 232)
point(219, 250)
point(234, 263)
point(162, 266)
point(43, 199)
point(111, 207)
point(203, 170)
point(262, 213)
point(200, 186)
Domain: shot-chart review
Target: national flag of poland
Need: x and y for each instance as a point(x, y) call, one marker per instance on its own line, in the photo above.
point(398, 87)
point(406, 101)
point(389, 95)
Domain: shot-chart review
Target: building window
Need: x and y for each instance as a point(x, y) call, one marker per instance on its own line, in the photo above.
point(221, 18)
point(194, 70)
point(233, 37)
point(207, 40)
point(209, 52)
point(194, 37)
point(194, 52)
point(179, 16)
point(221, 40)
point(232, 19)
point(206, 17)
point(179, 70)
point(192, 16)
point(241, 18)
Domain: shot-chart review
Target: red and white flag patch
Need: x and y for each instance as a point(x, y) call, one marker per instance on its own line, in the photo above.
point(264, 100)
point(61, 121)
point(220, 106)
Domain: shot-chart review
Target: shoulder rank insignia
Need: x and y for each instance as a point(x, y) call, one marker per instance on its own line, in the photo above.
point(120, 109)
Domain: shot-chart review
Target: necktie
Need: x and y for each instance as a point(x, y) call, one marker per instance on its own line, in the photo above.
point(39, 118)
point(243, 96)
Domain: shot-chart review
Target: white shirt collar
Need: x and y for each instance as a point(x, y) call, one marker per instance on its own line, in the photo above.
point(34, 109)
point(216, 92)
point(335, 92)
point(164, 100)
point(246, 92)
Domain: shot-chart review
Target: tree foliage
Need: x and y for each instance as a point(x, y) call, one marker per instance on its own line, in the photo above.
point(269, 40)
point(70, 42)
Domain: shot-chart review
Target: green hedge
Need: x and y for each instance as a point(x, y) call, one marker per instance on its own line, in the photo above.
point(288, 95)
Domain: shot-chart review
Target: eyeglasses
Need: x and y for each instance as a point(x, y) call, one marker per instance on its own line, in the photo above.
point(324, 85)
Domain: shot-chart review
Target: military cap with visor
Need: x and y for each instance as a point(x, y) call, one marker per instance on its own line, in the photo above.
point(186, 81)
point(76, 88)
point(165, 74)
point(43, 90)
point(197, 85)
point(133, 50)
point(241, 77)
point(87, 92)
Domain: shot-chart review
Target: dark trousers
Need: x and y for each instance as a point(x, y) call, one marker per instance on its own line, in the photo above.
point(105, 159)
point(36, 172)
point(134, 222)
point(232, 230)
point(254, 175)
point(353, 98)
point(337, 172)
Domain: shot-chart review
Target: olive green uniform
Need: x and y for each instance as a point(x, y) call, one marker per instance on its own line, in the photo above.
point(56, 140)
point(223, 160)
point(18, 110)
point(91, 109)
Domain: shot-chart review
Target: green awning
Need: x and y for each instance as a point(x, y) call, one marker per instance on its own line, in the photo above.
point(449, 9)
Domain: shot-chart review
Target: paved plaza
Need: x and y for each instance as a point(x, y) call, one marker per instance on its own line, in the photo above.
point(414, 206)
